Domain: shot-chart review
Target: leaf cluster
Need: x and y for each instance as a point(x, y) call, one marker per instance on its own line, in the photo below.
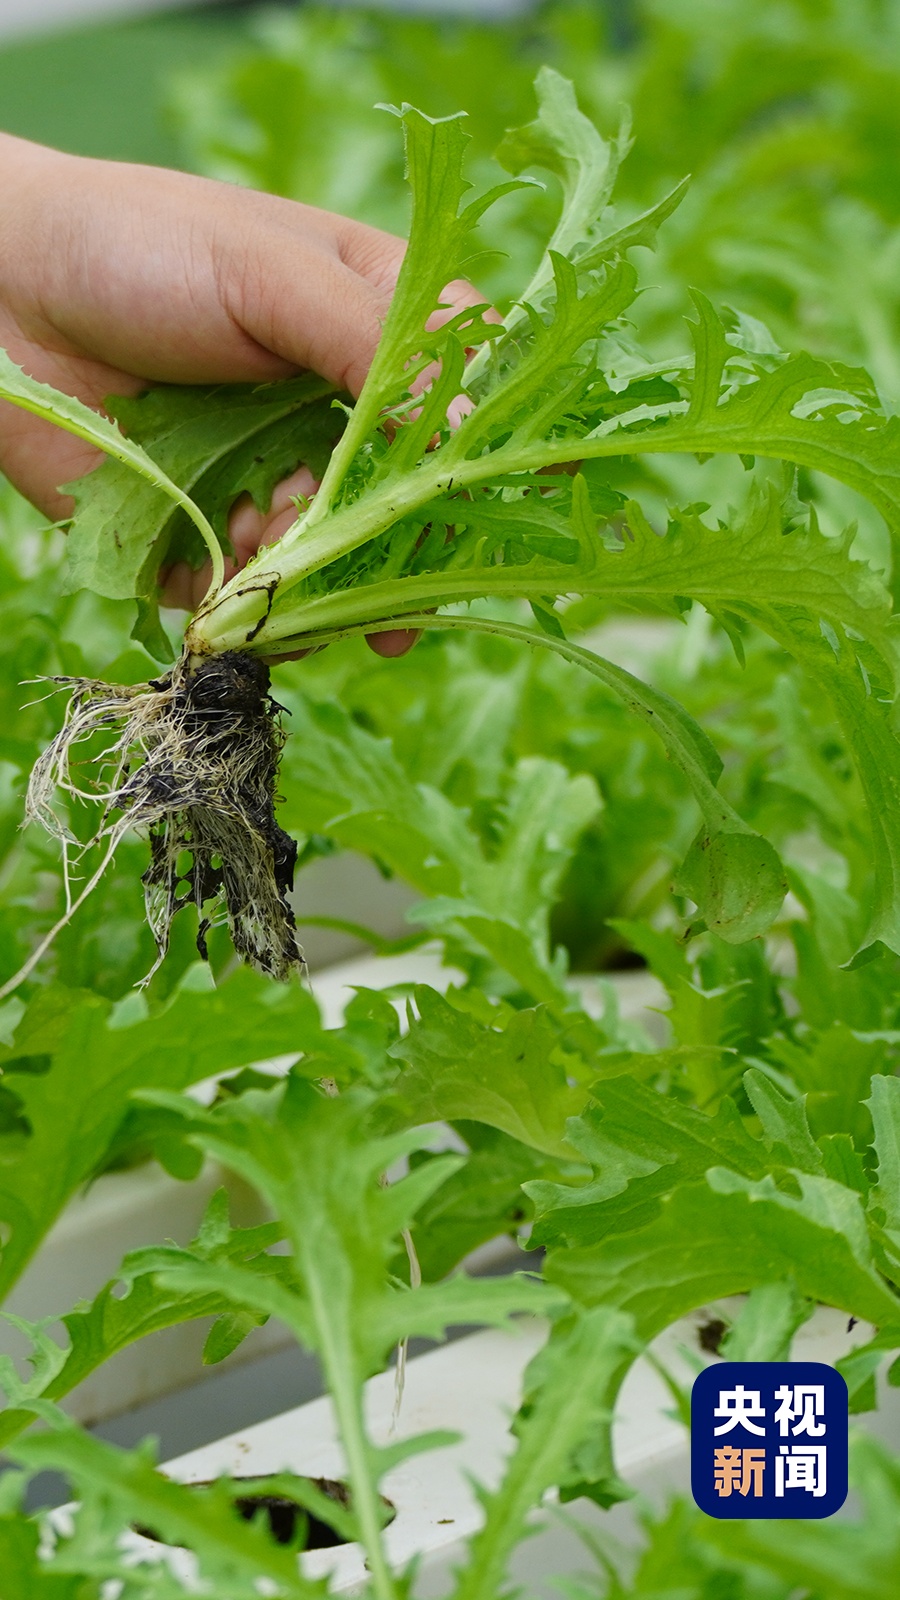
point(755, 1150)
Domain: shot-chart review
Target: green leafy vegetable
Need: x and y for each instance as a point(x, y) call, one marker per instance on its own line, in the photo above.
point(317, 1160)
point(523, 1091)
point(70, 1108)
point(77, 418)
point(399, 525)
point(261, 435)
point(753, 1149)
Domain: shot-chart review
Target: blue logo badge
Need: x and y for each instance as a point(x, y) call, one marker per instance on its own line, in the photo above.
point(769, 1439)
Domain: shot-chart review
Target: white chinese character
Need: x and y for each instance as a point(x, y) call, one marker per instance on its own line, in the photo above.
point(801, 1467)
point(801, 1405)
point(739, 1405)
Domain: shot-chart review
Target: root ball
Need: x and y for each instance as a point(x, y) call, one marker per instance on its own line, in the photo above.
point(191, 761)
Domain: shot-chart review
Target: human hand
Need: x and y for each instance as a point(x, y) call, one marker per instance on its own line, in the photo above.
point(113, 276)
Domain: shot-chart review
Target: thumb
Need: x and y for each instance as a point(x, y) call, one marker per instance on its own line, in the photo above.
point(317, 294)
point(320, 296)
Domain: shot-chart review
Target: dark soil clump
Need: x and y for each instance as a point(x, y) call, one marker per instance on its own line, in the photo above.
point(194, 759)
point(230, 720)
point(284, 1517)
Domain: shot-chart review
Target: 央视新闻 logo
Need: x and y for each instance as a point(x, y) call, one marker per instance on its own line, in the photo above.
point(769, 1439)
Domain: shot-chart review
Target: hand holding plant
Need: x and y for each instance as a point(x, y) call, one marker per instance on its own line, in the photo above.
point(117, 276)
point(443, 512)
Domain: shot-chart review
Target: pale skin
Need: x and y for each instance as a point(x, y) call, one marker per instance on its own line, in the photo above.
point(113, 276)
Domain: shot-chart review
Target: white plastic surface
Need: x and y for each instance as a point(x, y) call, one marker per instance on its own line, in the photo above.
point(473, 1387)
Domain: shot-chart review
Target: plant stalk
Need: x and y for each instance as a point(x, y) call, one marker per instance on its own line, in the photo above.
point(250, 611)
point(340, 1368)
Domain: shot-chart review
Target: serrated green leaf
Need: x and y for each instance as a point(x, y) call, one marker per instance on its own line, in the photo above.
point(481, 1201)
point(131, 1306)
point(884, 1105)
point(859, 681)
point(743, 885)
point(182, 1274)
point(642, 1146)
point(765, 1327)
point(726, 1236)
point(562, 140)
point(216, 442)
point(204, 1520)
point(520, 1090)
point(563, 1433)
point(75, 1109)
point(428, 1311)
point(316, 1161)
point(438, 250)
point(77, 418)
point(350, 786)
point(228, 1332)
point(784, 1123)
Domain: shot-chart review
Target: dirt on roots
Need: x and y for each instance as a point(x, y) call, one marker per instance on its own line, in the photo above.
point(191, 761)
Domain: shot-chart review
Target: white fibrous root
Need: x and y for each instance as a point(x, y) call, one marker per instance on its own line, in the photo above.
point(191, 762)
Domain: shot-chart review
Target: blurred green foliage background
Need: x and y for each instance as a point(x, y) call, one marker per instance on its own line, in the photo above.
point(101, 89)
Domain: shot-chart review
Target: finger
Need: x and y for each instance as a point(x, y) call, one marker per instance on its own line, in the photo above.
point(458, 295)
point(378, 257)
point(397, 642)
point(183, 586)
point(245, 528)
point(248, 527)
point(329, 317)
point(36, 456)
point(206, 282)
point(297, 297)
point(301, 485)
point(371, 253)
point(177, 586)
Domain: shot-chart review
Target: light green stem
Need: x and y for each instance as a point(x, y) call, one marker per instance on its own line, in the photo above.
point(239, 618)
point(339, 1368)
point(645, 702)
point(73, 417)
point(521, 1489)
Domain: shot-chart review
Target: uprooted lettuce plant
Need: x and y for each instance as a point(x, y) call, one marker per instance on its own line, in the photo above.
point(754, 1152)
point(417, 516)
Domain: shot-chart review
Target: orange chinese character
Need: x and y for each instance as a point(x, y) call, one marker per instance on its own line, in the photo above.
point(740, 1470)
point(727, 1468)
